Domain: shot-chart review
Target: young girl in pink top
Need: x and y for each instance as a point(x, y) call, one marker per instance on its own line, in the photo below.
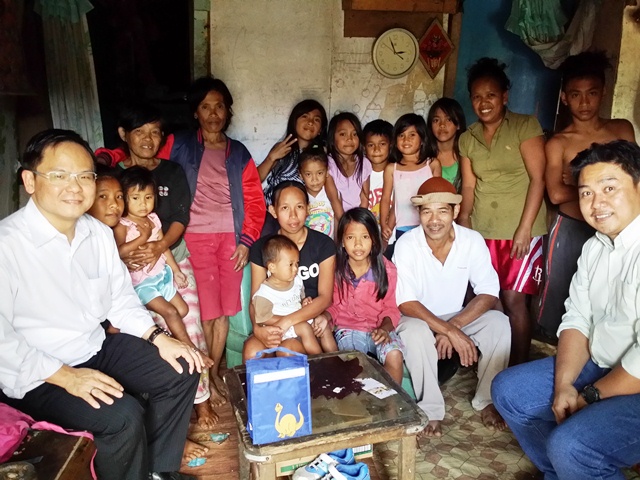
point(348, 167)
point(409, 167)
point(364, 311)
point(154, 284)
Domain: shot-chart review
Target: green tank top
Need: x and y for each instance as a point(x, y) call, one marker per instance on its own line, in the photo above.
point(450, 173)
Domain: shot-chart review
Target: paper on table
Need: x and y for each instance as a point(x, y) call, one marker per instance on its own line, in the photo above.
point(376, 388)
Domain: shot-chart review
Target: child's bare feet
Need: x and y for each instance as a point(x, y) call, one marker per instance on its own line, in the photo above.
point(193, 450)
point(207, 418)
point(218, 390)
point(492, 419)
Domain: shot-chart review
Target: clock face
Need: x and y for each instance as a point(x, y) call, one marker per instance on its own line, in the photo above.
point(395, 52)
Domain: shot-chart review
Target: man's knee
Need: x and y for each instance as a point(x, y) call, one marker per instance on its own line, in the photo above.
point(567, 451)
point(415, 331)
point(124, 418)
point(503, 389)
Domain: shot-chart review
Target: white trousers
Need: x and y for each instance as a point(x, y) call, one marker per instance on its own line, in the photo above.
point(490, 332)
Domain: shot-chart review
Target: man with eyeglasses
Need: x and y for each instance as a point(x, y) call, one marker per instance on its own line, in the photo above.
point(60, 277)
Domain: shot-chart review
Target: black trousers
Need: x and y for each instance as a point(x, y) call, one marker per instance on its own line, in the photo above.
point(131, 440)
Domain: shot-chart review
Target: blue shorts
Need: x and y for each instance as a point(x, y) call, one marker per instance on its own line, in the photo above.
point(362, 342)
point(160, 285)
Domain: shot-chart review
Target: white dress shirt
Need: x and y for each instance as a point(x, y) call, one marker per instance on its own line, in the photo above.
point(441, 288)
point(604, 299)
point(54, 295)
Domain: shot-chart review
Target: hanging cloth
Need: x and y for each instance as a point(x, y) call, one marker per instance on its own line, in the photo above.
point(540, 25)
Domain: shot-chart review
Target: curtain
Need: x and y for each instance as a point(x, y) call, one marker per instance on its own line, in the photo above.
point(73, 93)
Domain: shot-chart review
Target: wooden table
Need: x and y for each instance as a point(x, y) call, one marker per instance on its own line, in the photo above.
point(358, 419)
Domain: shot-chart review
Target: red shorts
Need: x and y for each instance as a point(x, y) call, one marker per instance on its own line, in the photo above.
point(524, 275)
point(218, 283)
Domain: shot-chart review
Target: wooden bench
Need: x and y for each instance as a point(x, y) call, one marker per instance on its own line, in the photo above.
point(64, 457)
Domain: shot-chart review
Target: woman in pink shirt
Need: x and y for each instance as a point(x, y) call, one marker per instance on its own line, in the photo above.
point(364, 311)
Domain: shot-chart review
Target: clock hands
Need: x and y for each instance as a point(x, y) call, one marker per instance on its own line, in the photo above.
point(395, 52)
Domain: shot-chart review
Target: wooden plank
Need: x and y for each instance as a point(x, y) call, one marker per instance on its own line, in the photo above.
point(451, 67)
point(359, 23)
point(434, 6)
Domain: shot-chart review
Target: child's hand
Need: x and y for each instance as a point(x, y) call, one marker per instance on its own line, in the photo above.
point(380, 336)
point(307, 301)
point(145, 228)
point(386, 233)
point(282, 149)
point(284, 324)
point(180, 279)
point(567, 178)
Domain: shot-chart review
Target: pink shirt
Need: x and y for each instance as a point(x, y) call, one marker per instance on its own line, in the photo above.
point(348, 187)
point(211, 208)
point(133, 233)
point(405, 185)
point(359, 310)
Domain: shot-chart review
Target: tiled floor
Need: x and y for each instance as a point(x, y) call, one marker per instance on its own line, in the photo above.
point(466, 451)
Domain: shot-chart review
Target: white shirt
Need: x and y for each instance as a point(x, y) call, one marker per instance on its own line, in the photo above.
point(604, 299)
point(442, 288)
point(54, 295)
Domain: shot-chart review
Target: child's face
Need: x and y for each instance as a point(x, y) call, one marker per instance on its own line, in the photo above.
point(346, 138)
point(140, 202)
point(377, 148)
point(308, 126)
point(290, 210)
point(109, 203)
point(408, 142)
point(488, 100)
point(583, 96)
point(443, 127)
point(314, 175)
point(285, 267)
point(357, 242)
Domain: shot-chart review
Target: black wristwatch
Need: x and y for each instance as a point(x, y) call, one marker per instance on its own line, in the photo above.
point(590, 394)
point(155, 333)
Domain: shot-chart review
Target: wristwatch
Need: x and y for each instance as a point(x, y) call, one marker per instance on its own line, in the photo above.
point(155, 333)
point(590, 394)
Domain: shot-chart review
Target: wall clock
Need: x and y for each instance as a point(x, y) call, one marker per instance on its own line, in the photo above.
point(395, 53)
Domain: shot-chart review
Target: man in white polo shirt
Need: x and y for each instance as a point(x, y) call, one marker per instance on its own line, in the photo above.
point(435, 265)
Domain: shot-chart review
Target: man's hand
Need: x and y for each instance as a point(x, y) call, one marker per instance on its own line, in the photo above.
point(566, 401)
point(171, 349)
point(88, 384)
point(380, 336)
point(319, 324)
point(269, 335)
point(443, 347)
point(463, 345)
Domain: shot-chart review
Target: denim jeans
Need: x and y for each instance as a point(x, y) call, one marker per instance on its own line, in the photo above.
point(593, 443)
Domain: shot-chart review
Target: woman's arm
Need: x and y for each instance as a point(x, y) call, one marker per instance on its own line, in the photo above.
point(334, 197)
point(321, 302)
point(468, 192)
point(269, 336)
point(277, 152)
point(151, 251)
point(255, 208)
point(364, 193)
point(385, 202)
point(532, 151)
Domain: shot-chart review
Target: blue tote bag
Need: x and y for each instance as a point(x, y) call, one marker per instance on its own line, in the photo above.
point(278, 397)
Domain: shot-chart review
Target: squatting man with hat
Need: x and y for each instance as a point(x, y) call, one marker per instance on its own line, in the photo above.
point(436, 262)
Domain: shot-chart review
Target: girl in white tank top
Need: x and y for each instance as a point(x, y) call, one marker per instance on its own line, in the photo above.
point(411, 164)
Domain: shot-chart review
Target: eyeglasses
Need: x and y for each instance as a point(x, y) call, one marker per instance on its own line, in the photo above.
point(63, 178)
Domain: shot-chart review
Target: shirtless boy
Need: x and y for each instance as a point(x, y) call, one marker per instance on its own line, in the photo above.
point(583, 88)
